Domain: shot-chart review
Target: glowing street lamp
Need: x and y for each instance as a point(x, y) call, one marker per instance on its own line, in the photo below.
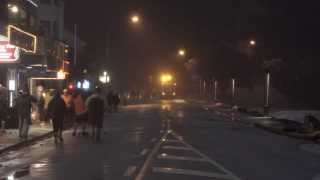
point(182, 52)
point(105, 78)
point(14, 9)
point(252, 42)
point(135, 19)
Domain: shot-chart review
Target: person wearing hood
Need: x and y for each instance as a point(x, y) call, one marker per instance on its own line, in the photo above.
point(95, 107)
point(56, 111)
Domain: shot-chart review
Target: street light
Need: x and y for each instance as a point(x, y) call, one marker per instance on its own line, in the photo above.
point(182, 52)
point(105, 78)
point(252, 42)
point(135, 19)
point(14, 9)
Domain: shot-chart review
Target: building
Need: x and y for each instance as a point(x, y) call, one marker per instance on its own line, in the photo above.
point(18, 42)
point(32, 50)
point(51, 45)
point(51, 17)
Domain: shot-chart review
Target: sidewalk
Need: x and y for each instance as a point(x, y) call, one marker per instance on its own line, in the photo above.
point(273, 124)
point(10, 140)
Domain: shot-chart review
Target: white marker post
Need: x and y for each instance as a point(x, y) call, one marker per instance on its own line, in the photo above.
point(267, 93)
point(233, 91)
point(215, 89)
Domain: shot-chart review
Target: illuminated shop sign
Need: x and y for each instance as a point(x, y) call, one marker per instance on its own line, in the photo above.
point(8, 53)
point(22, 39)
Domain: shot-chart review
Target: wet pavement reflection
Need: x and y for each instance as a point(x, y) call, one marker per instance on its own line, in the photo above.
point(79, 158)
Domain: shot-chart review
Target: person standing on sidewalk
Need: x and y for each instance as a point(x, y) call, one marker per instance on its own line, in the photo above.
point(68, 100)
point(23, 105)
point(56, 111)
point(80, 114)
point(40, 104)
point(95, 107)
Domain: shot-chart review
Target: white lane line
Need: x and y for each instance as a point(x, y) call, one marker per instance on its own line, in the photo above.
point(208, 159)
point(147, 164)
point(144, 152)
point(177, 148)
point(129, 172)
point(173, 141)
point(191, 172)
point(181, 158)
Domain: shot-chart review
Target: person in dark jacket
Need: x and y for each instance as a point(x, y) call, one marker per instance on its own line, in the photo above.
point(116, 101)
point(110, 100)
point(56, 111)
point(95, 108)
point(23, 105)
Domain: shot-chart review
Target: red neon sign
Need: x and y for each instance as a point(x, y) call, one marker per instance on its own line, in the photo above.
point(8, 53)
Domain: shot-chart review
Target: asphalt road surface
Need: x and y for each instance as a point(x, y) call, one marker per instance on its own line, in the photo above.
point(166, 140)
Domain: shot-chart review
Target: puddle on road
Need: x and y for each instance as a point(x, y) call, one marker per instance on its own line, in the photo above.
point(28, 170)
point(18, 174)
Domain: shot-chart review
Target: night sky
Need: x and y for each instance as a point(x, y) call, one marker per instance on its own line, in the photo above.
point(286, 29)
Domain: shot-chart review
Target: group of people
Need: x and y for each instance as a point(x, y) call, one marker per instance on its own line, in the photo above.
point(71, 107)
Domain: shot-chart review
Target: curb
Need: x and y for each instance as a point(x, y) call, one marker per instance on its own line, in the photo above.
point(309, 136)
point(22, 144)
point(25, 143)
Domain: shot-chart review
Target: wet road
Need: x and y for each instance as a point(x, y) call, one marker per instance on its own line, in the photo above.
point(168, 140)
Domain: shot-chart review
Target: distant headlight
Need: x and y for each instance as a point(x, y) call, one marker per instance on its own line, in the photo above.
point(163, 93)
point(174, 94)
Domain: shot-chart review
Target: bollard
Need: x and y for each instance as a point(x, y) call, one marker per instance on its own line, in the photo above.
point(3, 126)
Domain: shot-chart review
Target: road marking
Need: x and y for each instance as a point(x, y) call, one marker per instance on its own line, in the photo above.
point(143, 171)
point(173, 141)
point(129, 172)
point(191, 172)
point(214, 163)
point(177, 148)
point(144, 152)
point(181, 158)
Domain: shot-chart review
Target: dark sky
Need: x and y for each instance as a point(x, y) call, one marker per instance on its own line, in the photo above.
point(282, 27)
